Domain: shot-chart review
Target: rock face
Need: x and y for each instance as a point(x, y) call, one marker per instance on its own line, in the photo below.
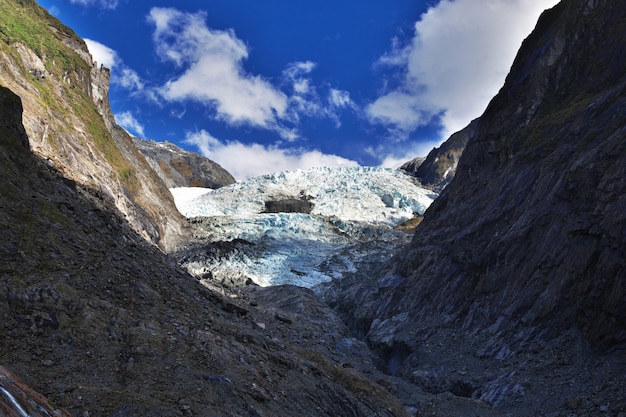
point(519, 266)
point(180, 168)
point(439, 167)
point(69, 122)
point(101, 323)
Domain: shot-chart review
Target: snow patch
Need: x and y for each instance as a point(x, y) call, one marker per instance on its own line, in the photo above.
point(184, 195)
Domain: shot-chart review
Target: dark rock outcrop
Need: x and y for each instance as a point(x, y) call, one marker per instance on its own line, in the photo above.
point(180, 168)
point(412, 165)
point(439, 167)
point(513, 289)
point(289, 205)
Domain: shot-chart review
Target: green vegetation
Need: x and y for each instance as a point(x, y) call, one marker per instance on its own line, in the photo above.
point(24, 21)
point(102, 138)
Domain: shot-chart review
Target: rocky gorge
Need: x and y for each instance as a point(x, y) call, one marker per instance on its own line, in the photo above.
point(509, 300)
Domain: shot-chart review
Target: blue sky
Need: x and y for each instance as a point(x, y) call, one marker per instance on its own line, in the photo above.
point(264, 86)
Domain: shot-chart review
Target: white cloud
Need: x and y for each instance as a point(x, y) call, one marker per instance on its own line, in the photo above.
point(128, 122)
point(54, 11)
point(456, 62)
point(298, 68)
point(105, 4)
point(304, 100)
point(129, 79)
point(250, 160)
point(302, 86)
point(340, 99)
point(102, 54)
point(294, 73)
point(213, 71)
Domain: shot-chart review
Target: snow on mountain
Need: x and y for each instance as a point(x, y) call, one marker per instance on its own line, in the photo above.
point(350, 206)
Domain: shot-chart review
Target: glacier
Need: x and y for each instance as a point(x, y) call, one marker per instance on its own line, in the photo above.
point(354, 212)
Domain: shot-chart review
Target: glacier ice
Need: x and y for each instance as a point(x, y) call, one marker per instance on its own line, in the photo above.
point(351, 206)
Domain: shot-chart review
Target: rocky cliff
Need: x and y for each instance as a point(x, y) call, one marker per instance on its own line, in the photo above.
point(69, 122)
point(514, 286)
point(180, 168)
point(439, 167)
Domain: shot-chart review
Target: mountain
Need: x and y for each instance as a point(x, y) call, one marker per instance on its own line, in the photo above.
point(512, 291)
point(180, 168)
point(102, 323)
point(69, 122)
point(438, 168)
point(508, 300)
point(283, 228)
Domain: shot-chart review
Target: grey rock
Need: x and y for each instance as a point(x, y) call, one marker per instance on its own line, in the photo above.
point(180, 168)
point(289, 205)
point(439, 167)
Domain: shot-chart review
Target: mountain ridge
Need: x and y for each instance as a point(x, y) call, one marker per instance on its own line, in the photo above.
point(439, 166)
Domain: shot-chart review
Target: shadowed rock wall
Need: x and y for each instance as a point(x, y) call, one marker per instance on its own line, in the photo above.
point(520, 264)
